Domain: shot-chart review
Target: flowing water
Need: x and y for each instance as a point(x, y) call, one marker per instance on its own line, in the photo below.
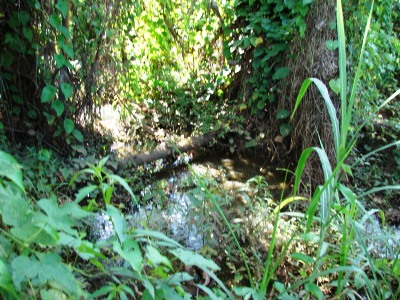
point(177, 205)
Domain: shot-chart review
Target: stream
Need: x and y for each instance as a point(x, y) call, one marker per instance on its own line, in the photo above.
point(177, 204)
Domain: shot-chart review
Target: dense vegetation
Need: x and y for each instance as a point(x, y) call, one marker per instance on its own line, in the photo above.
point(232, 70)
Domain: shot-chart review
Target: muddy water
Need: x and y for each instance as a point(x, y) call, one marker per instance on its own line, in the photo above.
point(178, 206)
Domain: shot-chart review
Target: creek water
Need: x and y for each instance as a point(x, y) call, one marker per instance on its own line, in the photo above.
point(177, 204)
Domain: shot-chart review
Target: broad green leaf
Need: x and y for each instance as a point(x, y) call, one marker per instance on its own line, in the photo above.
point(131, 253)
point(58, 106)
point(7, 59)
point(156, 258)
point(347, 169)
point(84, 192)
point(51, 294)
point(28, 34)
point(282, 114)
point(60, 60)
point(48, 93)
point(149, 288)
point(103, 161)
point(331, 45)
point(123, 182)
point(285, 129)
point(314, 290)
point(10, 169)
point(67, 90)
point(23, 17)
point(118, 222)
point(48, 269)
point(65, 31)
point(156, 235)
point(279, 286)
point(62, 6)
point(69, 125)
point(302, 257)
point(334, 84)
point(67, 48)
point(78, 135)
point(281, 73)
point(177, 278)
point(43, 235)
point(190, 258)
point(55, 216)
point(15, 210)
point(86, 250)
point(6, 284)
point(55, 21)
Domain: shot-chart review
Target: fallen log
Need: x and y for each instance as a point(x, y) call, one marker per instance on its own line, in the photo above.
point(168, 149)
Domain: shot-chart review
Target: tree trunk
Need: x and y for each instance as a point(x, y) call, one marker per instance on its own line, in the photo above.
point(168, 149)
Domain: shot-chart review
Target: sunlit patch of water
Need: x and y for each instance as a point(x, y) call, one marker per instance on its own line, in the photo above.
point(381, 242)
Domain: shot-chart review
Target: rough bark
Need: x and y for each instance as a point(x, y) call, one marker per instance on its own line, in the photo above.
point(168, 149)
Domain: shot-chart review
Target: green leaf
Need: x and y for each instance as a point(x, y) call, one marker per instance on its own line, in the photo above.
point(10, 169)
point(60, 60)
point(48, 269)
point(6, 285)
point(302, 257)
point(28, 34)
point(260, 104)
point(331, 45)
point(58, 217)
point(67, 90)
point(23, 17)
point(131, 253)
point(156, 258)
point(281, 73)
point(69, 126)
point(118, 222)
point(282, 114)
point(62, 6)
point(6, 59)
point(84, 192)
point(347, 169)
point(65, 31)
point(55, 21)
point(48, 93)
point(67, 49)
point(123, 182)
point(334, 84)
point(14, 209)
point(58, 106)
point(78, 135)
point(314, 290)
point(190, 258)
point(285, 129)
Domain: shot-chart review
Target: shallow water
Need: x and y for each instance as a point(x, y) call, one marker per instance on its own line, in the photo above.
point(176, 205)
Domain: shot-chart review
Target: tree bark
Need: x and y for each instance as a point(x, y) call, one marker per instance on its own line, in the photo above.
point(168, 149)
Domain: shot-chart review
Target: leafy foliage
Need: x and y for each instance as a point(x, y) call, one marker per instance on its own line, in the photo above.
point(260, 35)
point(38, 241)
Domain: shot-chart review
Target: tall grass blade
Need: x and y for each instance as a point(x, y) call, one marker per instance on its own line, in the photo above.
point(342, 67)
point(328, 103)
point(348, 116)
